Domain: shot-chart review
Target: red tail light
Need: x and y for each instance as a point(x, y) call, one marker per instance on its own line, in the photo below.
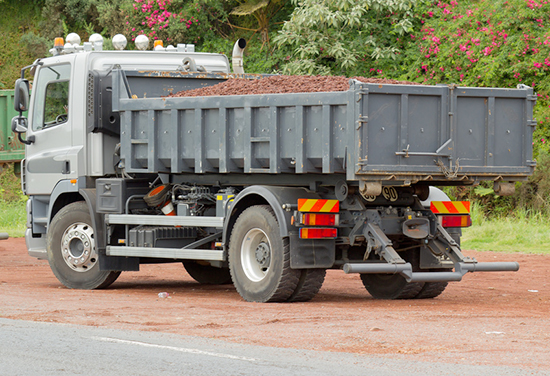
point(456, 221)
point(313, 219)
point(318, 233)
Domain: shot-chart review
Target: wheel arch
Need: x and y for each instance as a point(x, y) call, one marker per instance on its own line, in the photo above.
point(65, 193)
point(265, 195)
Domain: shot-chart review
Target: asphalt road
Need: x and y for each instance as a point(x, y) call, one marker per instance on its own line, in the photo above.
point(34, 348)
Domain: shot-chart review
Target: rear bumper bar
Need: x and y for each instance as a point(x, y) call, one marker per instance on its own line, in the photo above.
point(405, 269)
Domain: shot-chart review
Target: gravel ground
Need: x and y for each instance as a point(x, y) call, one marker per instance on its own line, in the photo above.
point(487, 319)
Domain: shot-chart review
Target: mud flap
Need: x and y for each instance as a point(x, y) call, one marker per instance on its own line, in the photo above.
point(311, 253)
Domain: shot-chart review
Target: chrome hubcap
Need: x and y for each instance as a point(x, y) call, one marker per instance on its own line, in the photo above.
point(256, 254)
point(78, 247)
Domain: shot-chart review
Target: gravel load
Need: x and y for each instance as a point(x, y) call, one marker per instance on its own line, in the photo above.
point(283, 84)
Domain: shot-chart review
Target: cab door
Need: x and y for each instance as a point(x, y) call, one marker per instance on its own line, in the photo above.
point(52, 156)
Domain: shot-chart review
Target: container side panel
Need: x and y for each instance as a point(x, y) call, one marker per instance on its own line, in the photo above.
point(140, 139)
point(508, 132)
point(261, 120)
point(288, 133)
point(186, 135)
point(339, 129)
point(235, 121)
point(165, 134)
point(313, 121)
point(471, 130)
point(383, 129)
point(423, 128)
point(211, 139)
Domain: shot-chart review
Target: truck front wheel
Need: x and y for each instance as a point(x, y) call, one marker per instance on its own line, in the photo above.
point(72, 252)
point(259, 258)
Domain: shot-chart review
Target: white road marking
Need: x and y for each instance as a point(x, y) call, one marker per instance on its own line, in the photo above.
point(180, 349)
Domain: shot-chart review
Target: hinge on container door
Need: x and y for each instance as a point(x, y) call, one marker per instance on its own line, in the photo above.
point(531, 123)
point(362, 119)
point(360, 92)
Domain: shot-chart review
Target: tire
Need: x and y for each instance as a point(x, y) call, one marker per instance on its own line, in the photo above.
point(393, 286)
point(259, 258)
point(432, 289)
point(309, 285)
point(390, 286)
point(207, 274)
point(72, 254)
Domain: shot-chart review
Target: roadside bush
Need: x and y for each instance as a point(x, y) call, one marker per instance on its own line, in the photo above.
point(347, 37)
point(499, 43)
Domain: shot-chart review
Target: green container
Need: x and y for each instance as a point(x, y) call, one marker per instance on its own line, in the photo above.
point(11, 149)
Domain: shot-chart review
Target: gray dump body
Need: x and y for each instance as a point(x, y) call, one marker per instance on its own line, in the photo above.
point(394, 134)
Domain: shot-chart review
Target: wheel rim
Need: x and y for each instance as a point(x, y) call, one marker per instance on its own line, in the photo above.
point(78, 247)
point(256, 254)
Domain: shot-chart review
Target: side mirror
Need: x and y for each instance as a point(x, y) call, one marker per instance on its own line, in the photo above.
point(21, 95)
point(19, 124)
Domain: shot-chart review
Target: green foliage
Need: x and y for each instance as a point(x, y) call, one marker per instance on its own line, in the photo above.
point(346, 36)
point(23, 18)
point(35, 45)
point(60, 17)
point(500, 43)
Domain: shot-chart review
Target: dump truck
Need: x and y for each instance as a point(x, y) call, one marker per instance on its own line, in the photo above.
point(266, 191)
point(11, 149)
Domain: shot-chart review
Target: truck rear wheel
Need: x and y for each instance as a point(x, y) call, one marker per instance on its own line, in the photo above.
point(309, 285)
point(72, 252)
point(207, 274)
point(431, 290)
point(390, 286)
point(393, 286)
point(259, 258)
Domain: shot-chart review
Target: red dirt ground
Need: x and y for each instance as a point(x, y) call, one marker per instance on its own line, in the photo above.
point(487, 319)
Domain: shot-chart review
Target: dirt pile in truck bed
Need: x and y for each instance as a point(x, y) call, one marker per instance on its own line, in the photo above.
point(283, 84)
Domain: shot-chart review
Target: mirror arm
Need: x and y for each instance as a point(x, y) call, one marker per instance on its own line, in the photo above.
point(28, 141)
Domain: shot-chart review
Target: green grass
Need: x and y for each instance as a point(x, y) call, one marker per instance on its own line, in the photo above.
point(523, 231)
point(13, 216)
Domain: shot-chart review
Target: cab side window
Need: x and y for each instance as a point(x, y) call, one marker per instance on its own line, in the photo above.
point(51, 100)
point(57, 103)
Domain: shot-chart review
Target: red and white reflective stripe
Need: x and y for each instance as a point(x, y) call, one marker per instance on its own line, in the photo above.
point(450, 207)
point(318, 205)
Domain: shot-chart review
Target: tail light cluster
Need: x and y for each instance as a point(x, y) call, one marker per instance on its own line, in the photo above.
point(317, 218)
point(452, 213)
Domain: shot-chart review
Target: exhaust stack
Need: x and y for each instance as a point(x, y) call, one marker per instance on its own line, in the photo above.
point(237, 58)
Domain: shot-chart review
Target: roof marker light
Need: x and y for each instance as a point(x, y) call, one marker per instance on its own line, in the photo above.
point(119, 42)
point(69, 48)
point(73, 38)
point(97, 41)
point(142, 42)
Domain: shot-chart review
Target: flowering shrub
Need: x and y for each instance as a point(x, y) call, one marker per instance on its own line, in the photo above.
point(172, 21)
point(499, 43)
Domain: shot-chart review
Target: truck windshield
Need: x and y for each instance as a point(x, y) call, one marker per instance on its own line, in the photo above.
point(51, 104)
